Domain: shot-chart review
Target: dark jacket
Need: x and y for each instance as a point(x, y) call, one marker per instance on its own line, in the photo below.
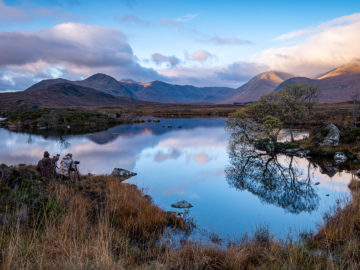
point(47, 166)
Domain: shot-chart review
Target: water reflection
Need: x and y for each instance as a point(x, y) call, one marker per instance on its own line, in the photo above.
point(185, 159)
point(274, 179)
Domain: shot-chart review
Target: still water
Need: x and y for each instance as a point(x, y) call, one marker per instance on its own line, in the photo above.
point(189, 159)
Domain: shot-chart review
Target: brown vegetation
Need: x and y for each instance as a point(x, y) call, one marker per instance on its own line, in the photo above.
point(105, 224)
point(172, 110)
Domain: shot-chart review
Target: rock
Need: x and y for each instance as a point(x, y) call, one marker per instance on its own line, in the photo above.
point(358, 172)
point(292, 151)
point(329, 169)
point(340, 157)
point(317, 183)
point(297, 152)
point(333, 137)
point(122, 174)
point(182, 204)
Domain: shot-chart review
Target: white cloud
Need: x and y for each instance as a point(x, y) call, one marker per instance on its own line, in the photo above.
point(327, 46)
point(77, 48)
point(179, 22)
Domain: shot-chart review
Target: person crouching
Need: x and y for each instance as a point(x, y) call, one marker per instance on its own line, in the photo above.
point(47, 166)
point(65, 167)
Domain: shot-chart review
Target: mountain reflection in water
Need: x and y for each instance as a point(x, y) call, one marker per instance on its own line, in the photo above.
point(186, 159)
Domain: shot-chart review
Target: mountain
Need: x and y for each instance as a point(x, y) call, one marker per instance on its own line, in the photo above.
point(106, 84)
point(337, 85)
point(158, 91)
point(61, 95)
point(258, 86)
point(45, 83)
point(99, 81)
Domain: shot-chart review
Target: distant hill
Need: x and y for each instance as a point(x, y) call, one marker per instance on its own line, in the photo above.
point(258, 86)
point(337, 85)
point(99, 81)
point(61, 95)
point(156, 91)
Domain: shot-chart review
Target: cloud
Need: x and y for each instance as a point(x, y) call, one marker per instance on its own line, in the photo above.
point(78, 48)
point(202, 158)
point(12, 14)
point(331, 44)
point(161, 156)
point(179, 22)
point(232, 75)
point(201, 56)
point(131, 18)
point(344, 20)
point(227, 40)
point(159, 59)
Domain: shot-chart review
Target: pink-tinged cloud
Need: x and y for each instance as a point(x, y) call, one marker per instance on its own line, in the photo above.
point(201, 56)
point(202, 158)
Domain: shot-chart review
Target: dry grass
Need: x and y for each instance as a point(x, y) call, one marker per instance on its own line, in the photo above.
point(105, 224)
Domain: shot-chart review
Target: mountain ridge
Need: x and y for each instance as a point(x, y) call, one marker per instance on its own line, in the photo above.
point(336, 85)
point(61, 95)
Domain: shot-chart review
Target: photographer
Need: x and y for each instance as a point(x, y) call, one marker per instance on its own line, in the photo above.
point(66, 165)
point(46, 166)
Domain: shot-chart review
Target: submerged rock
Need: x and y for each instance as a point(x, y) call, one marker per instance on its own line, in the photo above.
point(123, 174)
point(329, 169)
point(333, 137)
point(340, 157)
point(297, 152)
point(182, 204)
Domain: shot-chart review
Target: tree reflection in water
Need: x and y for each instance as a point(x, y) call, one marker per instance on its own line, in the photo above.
point(280, 183)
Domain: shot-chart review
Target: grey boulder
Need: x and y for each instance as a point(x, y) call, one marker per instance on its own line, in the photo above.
point(123, 174)
point(181, 204)
point(333, 136)
point(340, 157)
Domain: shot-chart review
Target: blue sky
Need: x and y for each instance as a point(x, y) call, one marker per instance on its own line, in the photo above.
point(222, 43)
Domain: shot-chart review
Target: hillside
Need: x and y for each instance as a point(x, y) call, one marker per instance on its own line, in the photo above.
point(258, 86)
point(158, 91)
point(61, 95)
point(99, 81)
point(337, 85)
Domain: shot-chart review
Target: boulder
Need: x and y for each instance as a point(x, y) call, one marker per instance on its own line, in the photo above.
point(297, 152)
point(333, 136)
point(329, 169)
point(340, 157)
point(122, 174)
point(182, 204)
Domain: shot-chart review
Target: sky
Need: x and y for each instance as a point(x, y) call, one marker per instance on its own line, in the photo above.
point(203, 43)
